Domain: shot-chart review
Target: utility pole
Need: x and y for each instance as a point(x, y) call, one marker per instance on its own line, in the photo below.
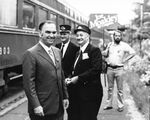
point(141, 5)
point(141, 14)
point(141, 25)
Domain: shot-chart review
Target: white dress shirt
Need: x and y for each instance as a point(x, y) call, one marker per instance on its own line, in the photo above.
point(65, 47)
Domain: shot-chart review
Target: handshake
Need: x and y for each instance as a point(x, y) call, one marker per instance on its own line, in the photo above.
point(71, 80)
point(68, 81)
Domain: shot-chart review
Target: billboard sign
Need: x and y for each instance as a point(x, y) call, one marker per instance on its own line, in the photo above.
point(102, 20)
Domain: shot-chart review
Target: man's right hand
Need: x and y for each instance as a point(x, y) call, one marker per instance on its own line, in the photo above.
point(39, 111)
point(67, 81)
point(105, 53)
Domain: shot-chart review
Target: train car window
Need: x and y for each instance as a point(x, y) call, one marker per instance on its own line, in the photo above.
point(53, 3)
point(81, 19)
point(68, 22)
point(8, 12)
point(72, 25)
point(28, 15)
point(42, 15)
point(61, 7)
point(61, 20)
point(71, 13)
point(53, 17)
point(67, 11)
point(76, 16)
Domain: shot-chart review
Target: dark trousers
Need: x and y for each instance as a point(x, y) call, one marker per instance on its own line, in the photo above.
point(48, 117)
point(83, 110)
point(58, 116)
point(72, 110)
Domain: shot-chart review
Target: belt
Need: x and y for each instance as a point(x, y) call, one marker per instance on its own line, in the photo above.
point(114, 66)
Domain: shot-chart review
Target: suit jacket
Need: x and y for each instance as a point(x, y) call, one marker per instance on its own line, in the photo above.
point(43, 81)
point(88, 69)
point(69, 58)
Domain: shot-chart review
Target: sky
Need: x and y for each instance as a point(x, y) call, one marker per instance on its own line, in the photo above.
point(124, 8)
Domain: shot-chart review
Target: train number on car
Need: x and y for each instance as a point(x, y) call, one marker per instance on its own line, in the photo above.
point(4, 50)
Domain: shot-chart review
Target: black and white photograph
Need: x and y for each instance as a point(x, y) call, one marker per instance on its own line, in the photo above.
point(74, 59)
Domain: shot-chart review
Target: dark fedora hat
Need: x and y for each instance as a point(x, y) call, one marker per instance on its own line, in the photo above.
point(82, 28)
point(64, 28)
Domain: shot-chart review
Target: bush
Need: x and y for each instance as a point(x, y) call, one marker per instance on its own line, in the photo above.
point(140, 92)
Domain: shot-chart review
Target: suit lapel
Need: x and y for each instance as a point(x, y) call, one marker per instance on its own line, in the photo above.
point(85, 51)
point(56, 56)
point(67, 50)
point(44, 54)
point(78, 58)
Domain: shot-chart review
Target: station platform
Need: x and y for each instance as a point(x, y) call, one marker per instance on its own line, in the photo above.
point(130, 112)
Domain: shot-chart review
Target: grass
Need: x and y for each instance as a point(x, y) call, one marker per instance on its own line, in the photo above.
point(140, 93)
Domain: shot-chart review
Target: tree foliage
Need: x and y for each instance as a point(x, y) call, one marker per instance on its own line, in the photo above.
point(146, 13)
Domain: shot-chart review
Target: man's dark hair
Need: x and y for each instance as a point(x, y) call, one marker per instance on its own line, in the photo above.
point(42, 23)
point(118, 31)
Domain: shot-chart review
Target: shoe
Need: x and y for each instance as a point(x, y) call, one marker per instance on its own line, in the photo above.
point(120, 109)
point(108, 107)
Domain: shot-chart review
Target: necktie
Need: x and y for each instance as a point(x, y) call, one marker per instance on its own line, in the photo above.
point(51, 54)
point(78, 57)
point(62, 48)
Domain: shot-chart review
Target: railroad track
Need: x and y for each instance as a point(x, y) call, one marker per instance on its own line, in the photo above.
point(14, 97)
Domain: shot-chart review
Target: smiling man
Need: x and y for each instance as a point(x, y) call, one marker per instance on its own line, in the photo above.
point(68, 50)
point(43, 77)
point(86, 77)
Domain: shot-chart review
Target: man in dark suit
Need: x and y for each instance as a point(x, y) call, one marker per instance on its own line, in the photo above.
point(86, 77)
point(43, 77)
point(69, 51)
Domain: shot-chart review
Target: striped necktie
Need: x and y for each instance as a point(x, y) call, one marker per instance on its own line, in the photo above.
point(62, 48)
point(51, 54)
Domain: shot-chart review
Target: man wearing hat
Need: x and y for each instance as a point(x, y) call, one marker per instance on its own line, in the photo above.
point(69, 51)
point(86, 77)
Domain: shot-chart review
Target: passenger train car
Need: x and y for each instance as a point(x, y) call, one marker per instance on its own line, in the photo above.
point(19, 20)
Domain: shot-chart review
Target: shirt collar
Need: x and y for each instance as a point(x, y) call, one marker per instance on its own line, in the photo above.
point(44, 46)
point(66, 44)
point(84, 47)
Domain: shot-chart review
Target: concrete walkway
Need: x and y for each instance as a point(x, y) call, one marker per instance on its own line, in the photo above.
point(130, 111)
point(19, 112)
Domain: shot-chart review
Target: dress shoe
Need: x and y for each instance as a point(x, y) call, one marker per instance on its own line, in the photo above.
point(108, 107)
point(120, 109)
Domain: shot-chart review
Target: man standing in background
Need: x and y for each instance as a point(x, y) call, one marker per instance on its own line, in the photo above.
point(116, 58)
point(68, 50)
point(43, 78)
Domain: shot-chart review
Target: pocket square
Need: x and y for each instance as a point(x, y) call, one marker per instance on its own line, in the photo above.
point(85, 56)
